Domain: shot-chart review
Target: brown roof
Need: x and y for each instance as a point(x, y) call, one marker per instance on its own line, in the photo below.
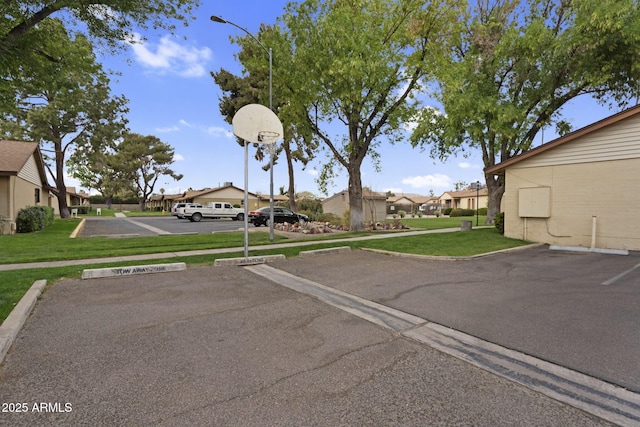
point(14, 155)
point(496, 169)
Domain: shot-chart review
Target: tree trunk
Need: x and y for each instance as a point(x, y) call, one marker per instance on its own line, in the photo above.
point(63, 207)
point(355, 199)
point(292, 187)
point(495, 190)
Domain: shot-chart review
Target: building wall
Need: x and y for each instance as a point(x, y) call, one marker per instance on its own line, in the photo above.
point(5, 199)
point(337, 204)
point(374, 209)
point(608, 190)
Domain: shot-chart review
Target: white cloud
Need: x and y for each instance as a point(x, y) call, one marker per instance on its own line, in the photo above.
point(178, 157)
point(170, 57)
point(218, 131)
point(429, 181)
point(185, 123)
point(168, 129)
point(312, 172)
point(467, 165)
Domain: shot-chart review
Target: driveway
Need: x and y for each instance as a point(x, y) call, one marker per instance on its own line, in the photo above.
point(224, 346)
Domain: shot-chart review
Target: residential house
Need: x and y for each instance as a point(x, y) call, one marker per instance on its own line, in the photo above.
point(163, 202)
point(580, 190)
point(264, 200)
point(23, 181)
point(374, 205)
point(464, 199)
point(227, 193)
point(76, 198)
point(428, 205)
point(401, 203)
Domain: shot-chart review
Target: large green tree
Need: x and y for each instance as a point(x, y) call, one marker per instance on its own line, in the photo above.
point(110, 21)
point(64, 103)
point(298, 144)
point(141, 161)
point(106, 22)
point(356, 67)
point(516, 64)
point(94, 167)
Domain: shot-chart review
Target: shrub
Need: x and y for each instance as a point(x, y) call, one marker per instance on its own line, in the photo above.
point(482, 211)
point(499, 222)
point(402, 213)
point(310, 205)
point(447, 211)
point(34, 218)
point(346, 219)
point(332, 219)
point(462, 212)
point(419, 214)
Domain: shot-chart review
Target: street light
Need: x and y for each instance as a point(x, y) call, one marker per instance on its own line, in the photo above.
point(220, 20)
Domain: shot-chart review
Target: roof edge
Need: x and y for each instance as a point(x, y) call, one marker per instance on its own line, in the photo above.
point(600, 124)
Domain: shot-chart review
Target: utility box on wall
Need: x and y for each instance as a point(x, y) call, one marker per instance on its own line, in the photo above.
point(534, 202)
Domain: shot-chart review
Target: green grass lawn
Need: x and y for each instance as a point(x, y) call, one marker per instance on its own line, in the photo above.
point(53, 244)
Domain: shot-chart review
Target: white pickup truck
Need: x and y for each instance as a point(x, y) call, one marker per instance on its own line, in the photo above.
point(214, 210)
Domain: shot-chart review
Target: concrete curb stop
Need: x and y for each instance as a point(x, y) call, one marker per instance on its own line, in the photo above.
point(252, 260)
point(95, 273)
point(14, 322)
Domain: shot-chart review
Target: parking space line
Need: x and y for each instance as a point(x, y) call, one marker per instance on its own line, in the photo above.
point(148, 227)
point(620, 276)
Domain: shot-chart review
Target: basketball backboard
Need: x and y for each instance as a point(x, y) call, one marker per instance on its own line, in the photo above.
point(258, 124)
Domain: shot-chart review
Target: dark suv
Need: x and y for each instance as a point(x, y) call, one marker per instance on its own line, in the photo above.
point(261, 216)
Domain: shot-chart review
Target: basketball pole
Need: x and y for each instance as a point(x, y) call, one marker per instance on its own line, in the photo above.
point(246, 201)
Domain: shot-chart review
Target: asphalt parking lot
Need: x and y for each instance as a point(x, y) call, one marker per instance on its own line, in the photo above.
point(224, 346)
point(154, 226)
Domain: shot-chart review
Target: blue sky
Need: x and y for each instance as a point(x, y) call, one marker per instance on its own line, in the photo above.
point(172, 96)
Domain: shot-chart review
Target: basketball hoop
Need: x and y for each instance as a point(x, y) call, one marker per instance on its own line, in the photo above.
point(268, 137)
point(258, 124)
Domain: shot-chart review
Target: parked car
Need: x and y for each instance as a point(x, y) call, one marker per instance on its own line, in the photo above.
point(177, 209)
point(280, 215)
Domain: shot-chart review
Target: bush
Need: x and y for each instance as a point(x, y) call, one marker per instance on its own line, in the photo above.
point(310, 205)
point(34, 218)
point(482, 211)
point(499, 222)
point(447, 211)
point(346, 219)
point(402, 213)
point(332, 219)
point(462, 212)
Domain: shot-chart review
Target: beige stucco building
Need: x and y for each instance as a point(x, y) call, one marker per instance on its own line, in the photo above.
point(23, 181)
point(580, 190)
point(374, 205)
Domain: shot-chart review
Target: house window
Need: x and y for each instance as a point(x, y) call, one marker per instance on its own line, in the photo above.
point(37, 195)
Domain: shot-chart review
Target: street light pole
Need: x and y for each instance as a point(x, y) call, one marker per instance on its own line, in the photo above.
point(220, 20)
